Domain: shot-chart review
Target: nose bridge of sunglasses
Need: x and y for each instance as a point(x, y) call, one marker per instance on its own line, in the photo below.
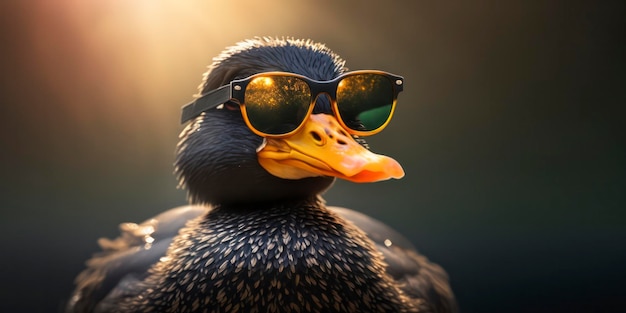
point(322, 104)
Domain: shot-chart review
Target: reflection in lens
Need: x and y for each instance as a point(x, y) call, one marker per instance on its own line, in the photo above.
point(365, 101)
point(276, 104)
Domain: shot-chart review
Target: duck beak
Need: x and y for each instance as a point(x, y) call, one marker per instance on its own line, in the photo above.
point(323, 148)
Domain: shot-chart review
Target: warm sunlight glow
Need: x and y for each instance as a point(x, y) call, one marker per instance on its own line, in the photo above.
point(267, 81)
point(136, 62)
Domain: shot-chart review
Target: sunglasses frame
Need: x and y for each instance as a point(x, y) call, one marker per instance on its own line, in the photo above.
point(235, 90)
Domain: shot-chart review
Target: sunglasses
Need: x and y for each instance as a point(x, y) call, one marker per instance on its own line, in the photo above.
point(276, 104)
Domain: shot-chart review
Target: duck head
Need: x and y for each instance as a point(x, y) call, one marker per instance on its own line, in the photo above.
point(221, 160)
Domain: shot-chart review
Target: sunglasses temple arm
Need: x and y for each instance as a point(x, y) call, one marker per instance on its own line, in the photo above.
point(207, 101)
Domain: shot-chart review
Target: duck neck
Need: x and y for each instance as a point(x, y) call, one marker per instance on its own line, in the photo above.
point(311, 202)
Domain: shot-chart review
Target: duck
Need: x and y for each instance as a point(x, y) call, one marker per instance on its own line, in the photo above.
point(257, 235)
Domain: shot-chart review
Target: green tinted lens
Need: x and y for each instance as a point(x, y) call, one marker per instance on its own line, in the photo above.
point(365, 101)
point(277, 105)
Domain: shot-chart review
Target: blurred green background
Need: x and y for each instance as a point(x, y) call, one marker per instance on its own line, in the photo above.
point(509, 130)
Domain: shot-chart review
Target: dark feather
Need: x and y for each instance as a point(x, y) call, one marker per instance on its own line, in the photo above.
point(125, 261)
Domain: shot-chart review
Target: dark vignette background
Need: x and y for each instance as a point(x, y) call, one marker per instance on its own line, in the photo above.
point(509, 130)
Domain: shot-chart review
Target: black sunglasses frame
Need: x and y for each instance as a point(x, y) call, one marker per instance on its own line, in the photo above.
point(236, 90)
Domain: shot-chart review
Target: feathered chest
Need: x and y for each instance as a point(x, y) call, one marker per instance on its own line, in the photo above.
point(275, 260)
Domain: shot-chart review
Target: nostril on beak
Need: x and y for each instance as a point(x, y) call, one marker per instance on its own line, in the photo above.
point(340, 137)
point(317, 137)
point(329, 133)
point(324, 129)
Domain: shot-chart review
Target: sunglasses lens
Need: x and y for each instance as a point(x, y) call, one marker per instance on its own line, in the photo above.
point(365, 101)
point(276, 105)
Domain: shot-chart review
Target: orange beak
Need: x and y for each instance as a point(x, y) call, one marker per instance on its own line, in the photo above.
point(323, 148)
